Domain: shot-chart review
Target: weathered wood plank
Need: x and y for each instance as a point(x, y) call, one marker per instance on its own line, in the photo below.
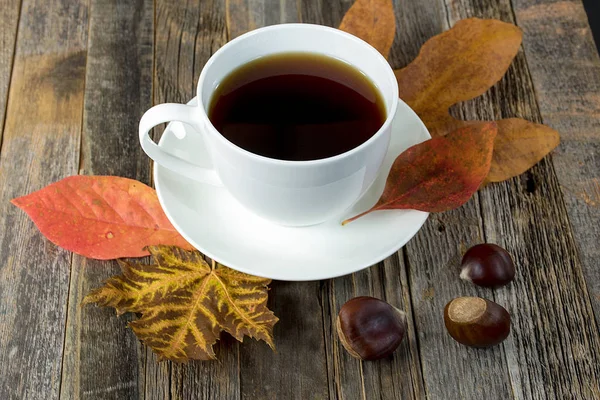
point(528, 217)
point(396, 377)
point(157, 378)
point(415, 24)
point(565, 70)
point(187, 33)
point(9, 19)
point(450, 370)
point(210, 379)
point(103, 358)
point(402, 376)
point(40, 145)
point(553, 350)
point(324, 12)
point(345, 374)
point(246, 15)
point(297, 370)
point(399, 376)
point(592, 9)
point(433, 257)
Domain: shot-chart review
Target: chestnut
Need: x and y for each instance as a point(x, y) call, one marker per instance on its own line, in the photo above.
point(487, 265)
point(370, 328)
point(476, 322)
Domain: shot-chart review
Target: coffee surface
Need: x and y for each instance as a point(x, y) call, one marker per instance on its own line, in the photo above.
point(297, 106)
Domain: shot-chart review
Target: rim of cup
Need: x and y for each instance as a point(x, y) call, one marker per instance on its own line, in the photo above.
point(389, 117)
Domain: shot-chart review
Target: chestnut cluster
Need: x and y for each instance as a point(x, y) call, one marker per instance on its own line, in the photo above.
point(474, 321)
point(371, 329)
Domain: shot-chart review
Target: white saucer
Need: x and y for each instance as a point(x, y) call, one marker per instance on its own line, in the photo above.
point(217, 225)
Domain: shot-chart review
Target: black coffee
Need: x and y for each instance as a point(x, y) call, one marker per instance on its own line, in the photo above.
point(297, 106)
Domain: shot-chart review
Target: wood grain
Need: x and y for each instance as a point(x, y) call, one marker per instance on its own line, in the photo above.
point(40, 145)
point(246, 15)
point(403, 375)
point(118, 90)
point(187, 33)
point(9, 19)
point(565, 71)
point(450, 370)
point(297, 370)
point(399, 376)
point(395, 377)
point(547, 218)
point(525, 215)
point(433, 257)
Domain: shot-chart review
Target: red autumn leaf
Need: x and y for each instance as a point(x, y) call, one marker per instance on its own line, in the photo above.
point(102, 217)
point(439, 174)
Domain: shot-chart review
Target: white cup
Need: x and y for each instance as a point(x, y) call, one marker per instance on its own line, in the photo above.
point(294, 193)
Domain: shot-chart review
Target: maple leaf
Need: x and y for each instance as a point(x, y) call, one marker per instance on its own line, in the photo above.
point(185, 303)
point(101, 217)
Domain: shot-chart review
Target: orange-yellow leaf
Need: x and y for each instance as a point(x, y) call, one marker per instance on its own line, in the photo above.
point(519, 145)
point(457, 65)
point(373, 21)
point(102, 217)
point(185, 303)
point(463, 63)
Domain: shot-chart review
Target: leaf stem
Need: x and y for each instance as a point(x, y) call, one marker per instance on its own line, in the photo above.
point(347, 221)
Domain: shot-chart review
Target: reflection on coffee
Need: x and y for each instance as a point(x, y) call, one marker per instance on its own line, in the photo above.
point(297, 106)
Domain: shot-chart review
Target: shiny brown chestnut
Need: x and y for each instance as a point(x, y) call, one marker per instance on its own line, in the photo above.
point(476, 322)
point(370, 328)
point(487, 265)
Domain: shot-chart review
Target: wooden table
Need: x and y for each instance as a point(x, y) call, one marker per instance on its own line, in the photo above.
point(75, 77)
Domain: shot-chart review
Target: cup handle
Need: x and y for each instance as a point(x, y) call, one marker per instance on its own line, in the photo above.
point(174, 112)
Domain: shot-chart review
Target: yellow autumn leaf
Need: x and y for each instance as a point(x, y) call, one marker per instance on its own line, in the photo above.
point(185, 303)
point(463, 63)
point(457, 65)
point(373, 21)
